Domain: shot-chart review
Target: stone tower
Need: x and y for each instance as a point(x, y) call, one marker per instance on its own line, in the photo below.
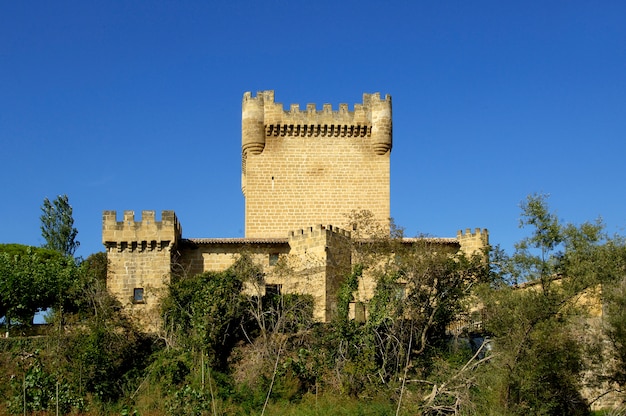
point(323, 258)
point(140, 256)
point(313, 167)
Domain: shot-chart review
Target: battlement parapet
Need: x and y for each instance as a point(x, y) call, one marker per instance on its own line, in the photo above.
point(146, 234)
point(473, 242)
point(275, 113)
point(317, 231)
point(468, 234)
point(262, 117)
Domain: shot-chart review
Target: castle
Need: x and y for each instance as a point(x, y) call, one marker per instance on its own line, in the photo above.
point(300, 169)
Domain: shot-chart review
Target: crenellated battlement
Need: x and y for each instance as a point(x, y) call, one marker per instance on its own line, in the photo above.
point(468, 234)
point(318, 230)
point(146, 234)
point(275, 113)
point(262, 117)
point(472, 242)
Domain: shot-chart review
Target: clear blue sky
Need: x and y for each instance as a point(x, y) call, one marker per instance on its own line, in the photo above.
point(137, 105)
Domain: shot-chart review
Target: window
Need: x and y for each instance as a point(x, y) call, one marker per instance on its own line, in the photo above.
point(273, 259)
point(138, 295)
point(272, 290)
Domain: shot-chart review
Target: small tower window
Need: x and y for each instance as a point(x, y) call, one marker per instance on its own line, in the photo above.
point(138, 295)
point(273, 290)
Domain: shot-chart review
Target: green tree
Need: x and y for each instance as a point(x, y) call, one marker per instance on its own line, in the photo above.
point(103, 353)
point(32, 279)
point(538, 348)
point(205, 311)
point(421, 287)
point(57, 226)
point(88, 294)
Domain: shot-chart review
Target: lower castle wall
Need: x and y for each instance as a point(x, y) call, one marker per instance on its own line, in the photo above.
point(217, 257)
point(315, 261)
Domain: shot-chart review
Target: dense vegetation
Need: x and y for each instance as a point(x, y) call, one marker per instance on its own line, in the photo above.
point(422, 349)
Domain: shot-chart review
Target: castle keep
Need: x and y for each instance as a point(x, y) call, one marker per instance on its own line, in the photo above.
point(300, 169)
point(313, 167)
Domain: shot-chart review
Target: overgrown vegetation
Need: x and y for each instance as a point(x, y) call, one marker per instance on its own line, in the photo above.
point(547, 312)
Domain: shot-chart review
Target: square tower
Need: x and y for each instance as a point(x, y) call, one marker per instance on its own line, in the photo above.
point(301, 168)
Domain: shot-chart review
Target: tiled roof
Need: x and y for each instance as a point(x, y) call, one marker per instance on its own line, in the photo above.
point(433, 240)
point(209, 241)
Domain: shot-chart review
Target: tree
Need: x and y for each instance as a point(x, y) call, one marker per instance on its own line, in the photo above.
point(535, 314)
point(32, 279)
point(57, 226)
point(205, 311)
point(88, 295)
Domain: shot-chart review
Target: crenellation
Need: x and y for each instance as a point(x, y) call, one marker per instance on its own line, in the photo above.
point(468, 234)
point(147, 229)
point(273, 113)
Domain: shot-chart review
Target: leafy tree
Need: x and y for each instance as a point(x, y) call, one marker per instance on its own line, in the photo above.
point(205, 311)
point(32, 279)
point(103, 353)
point(421, 287)
point(538, 350)
point(88, 294)
point(38, 390)
point(57, 226)
point(615, 310)
point(277, 322)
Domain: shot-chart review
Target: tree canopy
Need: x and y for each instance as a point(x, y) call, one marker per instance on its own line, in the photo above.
point(32, 279)
point(57, 226)
point(541, 315)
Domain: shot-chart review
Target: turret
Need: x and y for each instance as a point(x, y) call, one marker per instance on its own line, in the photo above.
point(381, 122)
point(252, 123)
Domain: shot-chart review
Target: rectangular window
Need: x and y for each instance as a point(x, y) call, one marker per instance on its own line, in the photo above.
point(272, 290)
point(273, 259)
point(138, 295)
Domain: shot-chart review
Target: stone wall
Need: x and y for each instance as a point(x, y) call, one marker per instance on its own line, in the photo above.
point(199, 255)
